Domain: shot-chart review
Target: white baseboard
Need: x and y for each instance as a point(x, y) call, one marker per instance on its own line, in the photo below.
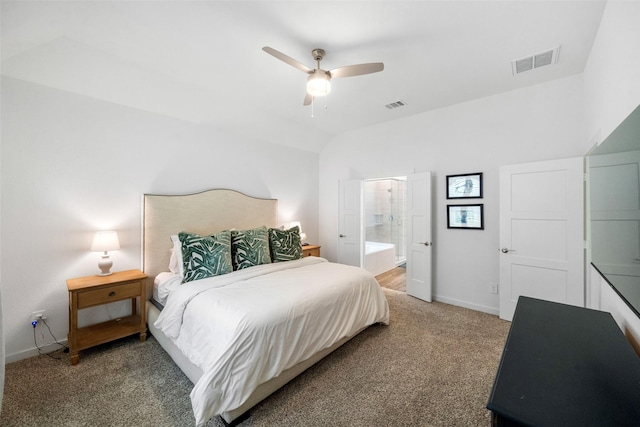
point(465, 304)
point(47, 348)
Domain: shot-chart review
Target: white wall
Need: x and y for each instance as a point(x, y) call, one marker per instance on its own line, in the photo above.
point(611, 93)
point(612, 72)
point(2, 351)
point(537, 123)
point(72, 165)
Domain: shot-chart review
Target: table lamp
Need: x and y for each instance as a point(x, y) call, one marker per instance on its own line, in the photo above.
point(105, 241)
point(303, 236)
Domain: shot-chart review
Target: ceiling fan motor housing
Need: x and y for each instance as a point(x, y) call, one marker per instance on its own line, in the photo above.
point(318, 54)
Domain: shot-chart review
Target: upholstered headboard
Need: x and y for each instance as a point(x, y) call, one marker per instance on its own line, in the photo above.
point(203, 213)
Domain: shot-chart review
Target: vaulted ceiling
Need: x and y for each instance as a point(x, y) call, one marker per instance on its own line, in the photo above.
point(201, 61)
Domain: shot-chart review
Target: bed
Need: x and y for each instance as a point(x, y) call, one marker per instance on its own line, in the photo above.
point(241, 335)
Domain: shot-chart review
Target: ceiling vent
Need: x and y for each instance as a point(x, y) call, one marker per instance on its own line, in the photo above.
point(535, 61)
point(396, 104)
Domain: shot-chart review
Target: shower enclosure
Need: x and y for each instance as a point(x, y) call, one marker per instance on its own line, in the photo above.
point(384, 217)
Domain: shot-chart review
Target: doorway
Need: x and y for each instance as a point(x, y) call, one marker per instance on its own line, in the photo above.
point(384, 202)
point(542, 233)
point(414, 234)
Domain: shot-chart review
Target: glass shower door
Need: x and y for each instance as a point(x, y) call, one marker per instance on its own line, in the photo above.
point(384, 201)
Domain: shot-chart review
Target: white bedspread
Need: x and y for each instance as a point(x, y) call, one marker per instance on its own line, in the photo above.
point(246, 327)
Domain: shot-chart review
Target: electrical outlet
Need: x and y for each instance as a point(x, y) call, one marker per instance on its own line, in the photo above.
point(494, 288)
point(37, 315)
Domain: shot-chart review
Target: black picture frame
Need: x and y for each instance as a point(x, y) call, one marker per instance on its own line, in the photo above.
point(464, 186)
point(465, 217)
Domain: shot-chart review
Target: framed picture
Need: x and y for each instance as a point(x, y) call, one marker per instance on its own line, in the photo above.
point(465, 216)
point(467, 186)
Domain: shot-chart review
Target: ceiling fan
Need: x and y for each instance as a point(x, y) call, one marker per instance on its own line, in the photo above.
point(319, 80)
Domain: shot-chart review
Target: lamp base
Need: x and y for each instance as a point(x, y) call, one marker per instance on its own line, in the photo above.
point(105, 266)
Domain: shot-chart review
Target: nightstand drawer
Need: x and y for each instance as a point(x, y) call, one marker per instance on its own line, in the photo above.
point(108, 294)
point(311, 250)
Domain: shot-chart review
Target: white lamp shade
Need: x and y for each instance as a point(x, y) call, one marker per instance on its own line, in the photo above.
point(318, 84)
point(303, 236)
point(295, 224)
point(105, 241)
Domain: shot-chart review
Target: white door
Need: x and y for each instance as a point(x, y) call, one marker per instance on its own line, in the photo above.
point(419, 241)
point(350, 242)
point(542, 233)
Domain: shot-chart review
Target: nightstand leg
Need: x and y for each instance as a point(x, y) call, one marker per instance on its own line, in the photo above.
point(143, 313)
point(73, 328)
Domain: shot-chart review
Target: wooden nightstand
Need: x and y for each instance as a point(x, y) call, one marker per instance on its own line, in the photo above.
point(91, 291)
point(311, 250)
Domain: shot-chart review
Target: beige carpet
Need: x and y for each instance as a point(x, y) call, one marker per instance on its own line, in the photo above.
point(432, 366)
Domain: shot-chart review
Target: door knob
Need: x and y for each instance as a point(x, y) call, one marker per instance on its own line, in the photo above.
point(425, 243)
point(342, 235)
point(506, 250)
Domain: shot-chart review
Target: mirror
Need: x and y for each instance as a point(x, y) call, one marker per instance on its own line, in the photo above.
point(614, 207)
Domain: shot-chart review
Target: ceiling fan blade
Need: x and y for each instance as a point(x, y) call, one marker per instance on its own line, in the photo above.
point(307, 99)
point(357, 70)
point(289, 60)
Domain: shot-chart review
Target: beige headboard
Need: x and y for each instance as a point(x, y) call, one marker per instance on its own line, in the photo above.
point(204, 213)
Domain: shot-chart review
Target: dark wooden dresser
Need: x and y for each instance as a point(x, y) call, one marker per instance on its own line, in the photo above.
point(565, 366)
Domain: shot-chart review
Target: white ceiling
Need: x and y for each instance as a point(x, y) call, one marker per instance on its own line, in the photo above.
point(202, 61)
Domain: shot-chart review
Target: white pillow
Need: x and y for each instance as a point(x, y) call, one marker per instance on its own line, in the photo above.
point(176, 264)
point(164, 284)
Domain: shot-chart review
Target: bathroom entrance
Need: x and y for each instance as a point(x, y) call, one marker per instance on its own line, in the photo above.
point(401, 219)
point(384, 223)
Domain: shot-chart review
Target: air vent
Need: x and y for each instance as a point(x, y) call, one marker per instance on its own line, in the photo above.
point(396, 104)
point(535, 61)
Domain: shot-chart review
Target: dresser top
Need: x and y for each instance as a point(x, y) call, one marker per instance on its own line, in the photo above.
point(566, 365)
point(91, 281)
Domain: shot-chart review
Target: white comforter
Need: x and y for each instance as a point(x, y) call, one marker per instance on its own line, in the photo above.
point(246, 327)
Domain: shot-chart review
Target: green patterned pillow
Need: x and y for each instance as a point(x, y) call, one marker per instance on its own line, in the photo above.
point(250, 247)
point(205, 256)
point(285, 244)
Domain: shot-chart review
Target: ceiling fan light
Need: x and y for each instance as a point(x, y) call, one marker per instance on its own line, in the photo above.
point(318, 84)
